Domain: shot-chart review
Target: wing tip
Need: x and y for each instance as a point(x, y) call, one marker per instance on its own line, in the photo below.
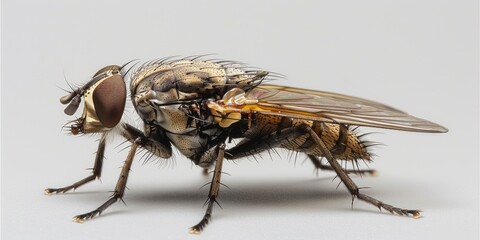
point(441, 129)
point(431, 128)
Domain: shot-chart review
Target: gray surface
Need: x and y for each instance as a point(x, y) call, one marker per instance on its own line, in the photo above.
point(419, 56)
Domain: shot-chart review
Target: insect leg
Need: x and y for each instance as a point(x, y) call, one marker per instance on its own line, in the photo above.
point(214, 191)
point(319, 165)
point(351, 186)
point(96, 171)
point(119, 188)
point(253, 146)
point(161, 149)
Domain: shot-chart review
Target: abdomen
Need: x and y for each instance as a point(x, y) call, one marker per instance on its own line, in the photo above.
point(342, 141)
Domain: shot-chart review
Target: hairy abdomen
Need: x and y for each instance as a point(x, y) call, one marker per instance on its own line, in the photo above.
point(343, 142)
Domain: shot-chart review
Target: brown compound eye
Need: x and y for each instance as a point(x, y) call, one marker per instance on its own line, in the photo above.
point(109, 100)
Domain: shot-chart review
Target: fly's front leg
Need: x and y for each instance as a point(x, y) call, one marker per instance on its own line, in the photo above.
point(154, 142)
point(213, 193)
point(319, 165)
point(96, 171)
point(351, 186)
point(119, 188)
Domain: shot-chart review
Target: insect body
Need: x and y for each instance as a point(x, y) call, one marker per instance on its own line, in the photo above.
point(198, 105)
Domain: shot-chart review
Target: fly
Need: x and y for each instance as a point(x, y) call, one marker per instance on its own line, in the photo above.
point(198, 105)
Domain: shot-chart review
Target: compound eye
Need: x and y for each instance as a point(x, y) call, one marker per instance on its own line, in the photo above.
point(107, 68)
point(109, 100)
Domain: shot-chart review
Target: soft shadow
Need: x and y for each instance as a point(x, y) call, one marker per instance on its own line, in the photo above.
point(318, 194)
point(258, 195)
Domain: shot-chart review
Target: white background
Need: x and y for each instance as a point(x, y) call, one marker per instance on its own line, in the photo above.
point(420, 56)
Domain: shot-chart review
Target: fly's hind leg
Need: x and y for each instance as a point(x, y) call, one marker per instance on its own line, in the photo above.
point(319, 165)
point(119, 188)
point(214, 191)
point(288, 136)
point(250, 147)
point(351, 186)
point(96, 171)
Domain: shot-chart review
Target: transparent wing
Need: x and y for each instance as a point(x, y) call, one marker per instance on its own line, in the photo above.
point(332, 107)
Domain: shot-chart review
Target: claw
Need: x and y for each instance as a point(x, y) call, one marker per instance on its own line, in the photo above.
point(195, 231)
point(78, 219)
point(83, 217)
point(417, 214)
point(47, 191)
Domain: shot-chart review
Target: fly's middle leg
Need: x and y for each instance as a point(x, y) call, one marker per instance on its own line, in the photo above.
point(213, 193)
point(96, 171)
